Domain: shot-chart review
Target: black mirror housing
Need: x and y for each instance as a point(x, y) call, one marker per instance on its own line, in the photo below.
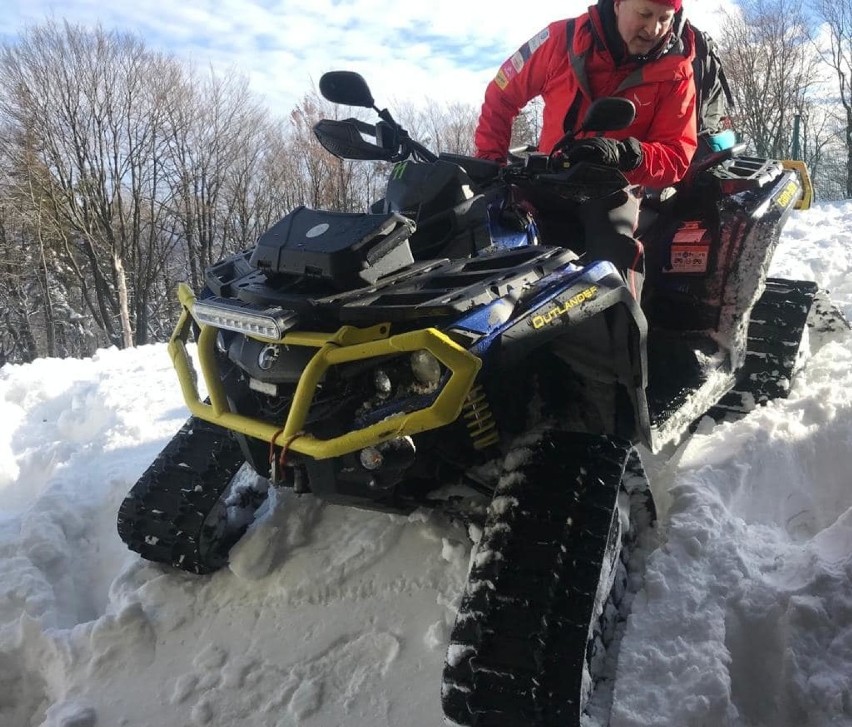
point(609, 114)
point(347, 88)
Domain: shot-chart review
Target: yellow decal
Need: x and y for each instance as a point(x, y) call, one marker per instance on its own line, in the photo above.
point(560, 310)
point(501, 80)
point(805, 179)
point(787, 194)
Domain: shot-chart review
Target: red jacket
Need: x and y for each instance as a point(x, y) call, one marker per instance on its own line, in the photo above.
point(573, 74)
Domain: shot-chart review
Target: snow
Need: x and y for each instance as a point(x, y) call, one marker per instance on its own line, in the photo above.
point(331, 616)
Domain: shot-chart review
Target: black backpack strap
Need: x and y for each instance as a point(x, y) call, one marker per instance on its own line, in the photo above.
point(713, 52)
point(723, 79)
point(570, 24)
point(572, 114)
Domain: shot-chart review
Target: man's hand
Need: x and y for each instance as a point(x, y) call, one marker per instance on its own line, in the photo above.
point(624, 155)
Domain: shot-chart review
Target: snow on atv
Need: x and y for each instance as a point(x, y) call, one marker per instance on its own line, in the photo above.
point(371, 358)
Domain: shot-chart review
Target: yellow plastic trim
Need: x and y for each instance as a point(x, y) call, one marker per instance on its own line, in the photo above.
point(343, 346)
point(807, 186)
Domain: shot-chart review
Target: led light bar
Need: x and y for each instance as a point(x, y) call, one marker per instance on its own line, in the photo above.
point(252, 320)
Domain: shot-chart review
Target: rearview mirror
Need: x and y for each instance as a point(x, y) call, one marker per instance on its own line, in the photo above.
point(609, 114)
point(347, 88)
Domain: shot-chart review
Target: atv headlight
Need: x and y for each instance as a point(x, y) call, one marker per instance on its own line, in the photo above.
point(269, 323)
point(425, 367)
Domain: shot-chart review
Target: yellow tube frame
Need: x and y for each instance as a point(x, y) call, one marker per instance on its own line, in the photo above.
point(807, 185)
point(347, 344)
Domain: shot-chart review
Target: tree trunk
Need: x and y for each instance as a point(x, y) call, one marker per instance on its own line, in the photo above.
point(123, 303)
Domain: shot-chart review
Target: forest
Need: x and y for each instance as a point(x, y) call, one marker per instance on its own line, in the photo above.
point(124, 171)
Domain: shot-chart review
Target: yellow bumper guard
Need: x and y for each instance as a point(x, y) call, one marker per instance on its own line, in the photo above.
point(347, 344)
point(807, 185)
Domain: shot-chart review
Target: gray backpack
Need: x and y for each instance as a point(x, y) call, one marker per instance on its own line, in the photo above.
point(714, 101)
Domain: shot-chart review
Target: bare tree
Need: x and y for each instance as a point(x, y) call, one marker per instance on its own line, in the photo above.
point(17, 336)
point(837, 15)
point(86, 129)
point(257, 185)
point(526, 128)
point(442, 127)
point(326, 181)
point(769, 60)
point(216, 130)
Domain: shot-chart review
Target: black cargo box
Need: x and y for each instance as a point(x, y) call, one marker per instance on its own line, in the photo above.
point(348, 249)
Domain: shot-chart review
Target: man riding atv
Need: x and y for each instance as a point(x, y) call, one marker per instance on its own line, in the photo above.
point(641, 50)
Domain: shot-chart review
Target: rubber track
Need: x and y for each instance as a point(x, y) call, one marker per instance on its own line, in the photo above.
point(775, 332)
point(166, 516)
point(519, 646)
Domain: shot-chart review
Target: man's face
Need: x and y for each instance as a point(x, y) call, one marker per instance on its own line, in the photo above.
point(642, 24)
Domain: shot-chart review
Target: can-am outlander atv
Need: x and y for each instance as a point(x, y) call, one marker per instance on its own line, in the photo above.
point(454, 333)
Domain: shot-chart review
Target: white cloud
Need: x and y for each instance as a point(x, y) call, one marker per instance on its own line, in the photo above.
point(443, 50)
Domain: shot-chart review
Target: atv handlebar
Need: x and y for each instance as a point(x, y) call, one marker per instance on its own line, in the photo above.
point(576, 182)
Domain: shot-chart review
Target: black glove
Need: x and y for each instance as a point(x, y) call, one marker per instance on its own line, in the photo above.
point(624, 155)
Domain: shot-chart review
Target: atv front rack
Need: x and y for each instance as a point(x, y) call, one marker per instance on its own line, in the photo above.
point(345, 345)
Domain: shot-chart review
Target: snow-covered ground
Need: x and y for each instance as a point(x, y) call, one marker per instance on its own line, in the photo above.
point(331, 616)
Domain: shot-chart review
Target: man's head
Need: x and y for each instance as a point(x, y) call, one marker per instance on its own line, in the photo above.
point(642, 24)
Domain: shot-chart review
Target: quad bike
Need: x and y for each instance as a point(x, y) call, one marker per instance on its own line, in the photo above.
point(454, 333)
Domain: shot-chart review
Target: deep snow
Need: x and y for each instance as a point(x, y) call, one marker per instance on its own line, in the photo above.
point(332, 616)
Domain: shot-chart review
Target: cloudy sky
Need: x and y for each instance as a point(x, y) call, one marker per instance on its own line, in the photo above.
point(441, 49)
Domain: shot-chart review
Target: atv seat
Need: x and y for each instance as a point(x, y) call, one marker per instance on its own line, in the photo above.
point(708, 157)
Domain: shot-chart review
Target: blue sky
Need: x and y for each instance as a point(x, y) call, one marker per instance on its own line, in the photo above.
point(443, 49)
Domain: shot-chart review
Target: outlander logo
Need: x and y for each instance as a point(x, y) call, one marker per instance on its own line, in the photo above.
point(558, 311)
point(787, 195)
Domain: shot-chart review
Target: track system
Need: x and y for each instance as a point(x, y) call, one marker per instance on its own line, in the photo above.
point(542, 599)
point(176, 513)
point(778, 330)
